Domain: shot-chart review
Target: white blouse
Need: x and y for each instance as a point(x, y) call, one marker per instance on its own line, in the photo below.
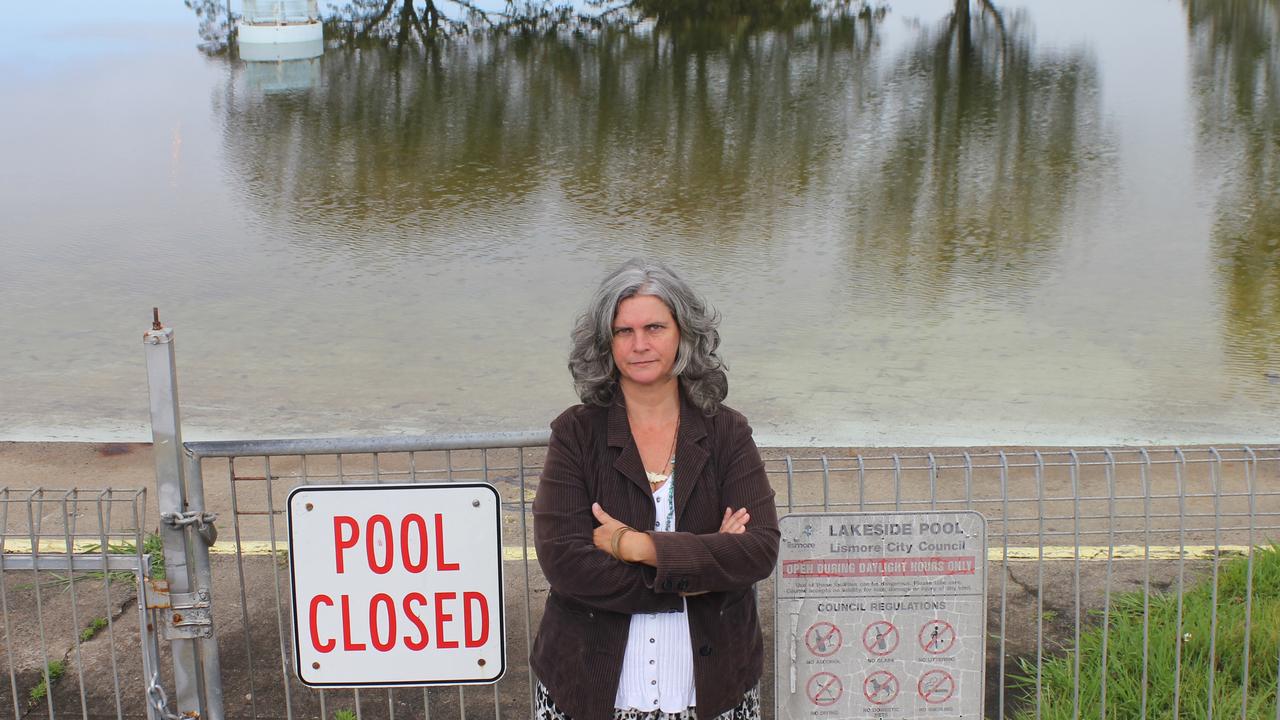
point(657, 669)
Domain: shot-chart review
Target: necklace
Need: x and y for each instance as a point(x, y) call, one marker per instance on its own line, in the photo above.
point(657, 478)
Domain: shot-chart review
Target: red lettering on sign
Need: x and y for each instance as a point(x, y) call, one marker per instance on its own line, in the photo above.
point(410, 520)
point(384, 618)
point(441, 563)
point(339, 542)
point(421, 642)
point(347, 645)
point(326, 646)
point(468, 599)
point(442, 617)
point(370, 547)
point(378, 643)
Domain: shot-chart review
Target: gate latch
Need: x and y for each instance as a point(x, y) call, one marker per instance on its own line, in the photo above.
point(187, 616)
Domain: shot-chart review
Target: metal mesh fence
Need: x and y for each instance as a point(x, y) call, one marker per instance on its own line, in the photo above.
point(73, 571)
point(1069, 530)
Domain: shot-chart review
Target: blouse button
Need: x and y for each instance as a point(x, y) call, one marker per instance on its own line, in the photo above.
point(650, 639)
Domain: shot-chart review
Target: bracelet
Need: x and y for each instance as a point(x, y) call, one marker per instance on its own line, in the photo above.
point(616, 540)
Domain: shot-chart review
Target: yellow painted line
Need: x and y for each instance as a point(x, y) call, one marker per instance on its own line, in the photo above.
point(1022, 553)
point(1120, 552)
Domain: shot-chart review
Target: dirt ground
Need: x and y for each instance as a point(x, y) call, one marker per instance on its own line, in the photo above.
point(103, 676)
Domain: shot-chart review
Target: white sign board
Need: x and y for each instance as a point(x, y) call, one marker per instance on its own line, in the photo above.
point(881, 615)
point(397, 584)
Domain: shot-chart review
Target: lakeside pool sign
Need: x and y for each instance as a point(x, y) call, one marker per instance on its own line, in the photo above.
point(881, 615)
point(396, 584)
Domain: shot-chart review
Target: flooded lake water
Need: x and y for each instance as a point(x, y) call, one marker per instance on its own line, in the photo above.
point(1054, 224)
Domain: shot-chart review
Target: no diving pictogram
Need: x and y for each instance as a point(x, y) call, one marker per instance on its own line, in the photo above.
point(824, 689)
point(936, 686)
point(937, 637)
point(823, 639)
point(880, 638)
point(880, 687)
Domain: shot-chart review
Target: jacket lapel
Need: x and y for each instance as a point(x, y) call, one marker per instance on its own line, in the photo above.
point(628, 464)
point(690, 455)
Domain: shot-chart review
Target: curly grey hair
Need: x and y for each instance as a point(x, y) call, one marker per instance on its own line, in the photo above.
point(701, 371)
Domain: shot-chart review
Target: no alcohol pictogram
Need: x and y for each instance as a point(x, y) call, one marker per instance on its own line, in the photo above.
point(823, 639)
point(936, 686)
point(880, 638)
point(937, 637)
point(880, 687)
point(824, 689)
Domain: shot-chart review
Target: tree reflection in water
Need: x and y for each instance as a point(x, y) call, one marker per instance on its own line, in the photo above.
point(1236, 74)
point(960, 155)
point(985, 141)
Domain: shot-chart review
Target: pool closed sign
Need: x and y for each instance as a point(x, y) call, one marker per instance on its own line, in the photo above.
point(396, 584)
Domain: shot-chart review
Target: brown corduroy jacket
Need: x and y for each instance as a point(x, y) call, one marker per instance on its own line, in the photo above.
point(580, 644)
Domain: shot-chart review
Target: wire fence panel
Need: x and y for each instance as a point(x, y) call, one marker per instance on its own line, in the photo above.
point(73, 573)
point(1122, 583)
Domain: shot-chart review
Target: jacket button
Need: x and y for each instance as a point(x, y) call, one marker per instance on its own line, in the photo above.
point(683, 585)
point(666, 585)
point(705, 650)
point(591, 615)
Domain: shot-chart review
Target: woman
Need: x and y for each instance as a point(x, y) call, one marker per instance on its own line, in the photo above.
point(653, 519)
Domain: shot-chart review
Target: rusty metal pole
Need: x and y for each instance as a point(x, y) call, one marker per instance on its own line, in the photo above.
point(187, 622)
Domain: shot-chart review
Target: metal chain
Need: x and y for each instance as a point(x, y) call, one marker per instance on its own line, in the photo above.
point(203, 521)
point(160, 700)
point(191, 517)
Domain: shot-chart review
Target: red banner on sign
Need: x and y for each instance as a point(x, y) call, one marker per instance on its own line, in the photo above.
point(879, 567)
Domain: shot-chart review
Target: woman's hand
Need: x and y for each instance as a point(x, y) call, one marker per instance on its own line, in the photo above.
point(734, 523)
point(633, 546)
point(602, 537)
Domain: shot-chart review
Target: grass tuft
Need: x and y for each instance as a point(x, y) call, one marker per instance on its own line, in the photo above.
point(344, 714)
point(56, 669)
point(1124, 679)
point(94, 627)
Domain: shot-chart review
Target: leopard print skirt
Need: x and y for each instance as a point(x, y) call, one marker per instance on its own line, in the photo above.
point(748, 709)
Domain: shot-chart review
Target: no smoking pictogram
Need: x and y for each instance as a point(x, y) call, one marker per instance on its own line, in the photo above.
point(880, 687)
point(823, 639)
point(880, 638)
point(824, 689)
point(936, 686)
point(937, 637)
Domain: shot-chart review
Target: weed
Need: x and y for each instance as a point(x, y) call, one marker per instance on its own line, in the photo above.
point(1175, 654)
point(154, 547)
point(94, 627)
point(151, 545)
point(54, 672)
point(344, 714)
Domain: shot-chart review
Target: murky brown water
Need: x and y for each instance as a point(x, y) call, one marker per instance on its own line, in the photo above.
point(1059, 224)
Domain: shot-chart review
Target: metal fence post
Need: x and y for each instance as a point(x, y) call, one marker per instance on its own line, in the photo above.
point(186, 531)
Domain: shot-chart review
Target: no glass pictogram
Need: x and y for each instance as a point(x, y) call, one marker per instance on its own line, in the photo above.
point(937, 637)
point(880, 687)
point(824, 689)
point(880, 638)
point(823, 639)
point(936, 686)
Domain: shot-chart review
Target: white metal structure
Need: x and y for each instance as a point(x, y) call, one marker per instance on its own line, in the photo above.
point(294, 24)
